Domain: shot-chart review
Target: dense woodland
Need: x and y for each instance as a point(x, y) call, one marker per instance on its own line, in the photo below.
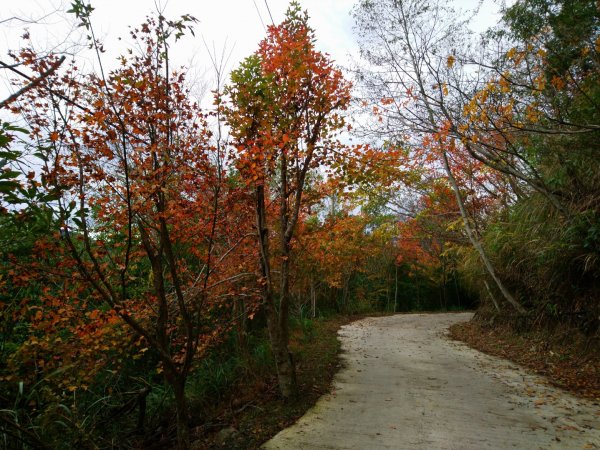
point(152, 250)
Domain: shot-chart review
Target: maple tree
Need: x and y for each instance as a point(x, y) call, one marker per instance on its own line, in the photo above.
point(137, 187)
point(339, 250)
point(284, 109)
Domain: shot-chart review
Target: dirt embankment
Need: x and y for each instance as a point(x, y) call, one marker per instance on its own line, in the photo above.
point(569, 360)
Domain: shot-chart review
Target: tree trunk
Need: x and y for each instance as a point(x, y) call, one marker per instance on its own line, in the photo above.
point(286, 370)
point(396, 288)
point(443, 291)
point(487, 286)
point(278, 339)
point(313, 299)
point(387, 295)
point(183, 431)
point(241, 324)
point(488, 265)
point(456, 290)
point(345, 295)
point(284, 290)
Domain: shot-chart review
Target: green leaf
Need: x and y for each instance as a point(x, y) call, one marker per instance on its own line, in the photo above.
point(9, 174)
point(10, 155)
point(51, 197)
point(8, 186)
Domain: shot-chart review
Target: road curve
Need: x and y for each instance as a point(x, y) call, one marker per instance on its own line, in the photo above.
point(405, 385)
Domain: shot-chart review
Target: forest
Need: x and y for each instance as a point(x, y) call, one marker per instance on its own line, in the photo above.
point(157, 255)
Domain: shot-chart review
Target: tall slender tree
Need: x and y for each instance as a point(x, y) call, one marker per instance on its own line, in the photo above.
point(284, 105)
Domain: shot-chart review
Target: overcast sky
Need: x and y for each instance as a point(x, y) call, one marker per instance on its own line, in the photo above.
point(234, 25)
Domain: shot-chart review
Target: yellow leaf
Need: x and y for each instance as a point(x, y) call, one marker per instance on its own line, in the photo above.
point(585, 51)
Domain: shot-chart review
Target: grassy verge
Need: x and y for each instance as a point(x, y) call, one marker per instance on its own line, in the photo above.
point(569, 361)
point(250, 411)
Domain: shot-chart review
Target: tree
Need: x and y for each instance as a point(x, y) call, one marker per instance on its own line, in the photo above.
point(137, 190)
point(411, 45)
point(539, 107)
point(539, 83)
point(283, 112)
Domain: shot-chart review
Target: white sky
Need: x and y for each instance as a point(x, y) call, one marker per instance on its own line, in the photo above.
point(232, 24)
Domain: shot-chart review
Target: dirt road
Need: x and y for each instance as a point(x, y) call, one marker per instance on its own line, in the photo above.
point(405, 385)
